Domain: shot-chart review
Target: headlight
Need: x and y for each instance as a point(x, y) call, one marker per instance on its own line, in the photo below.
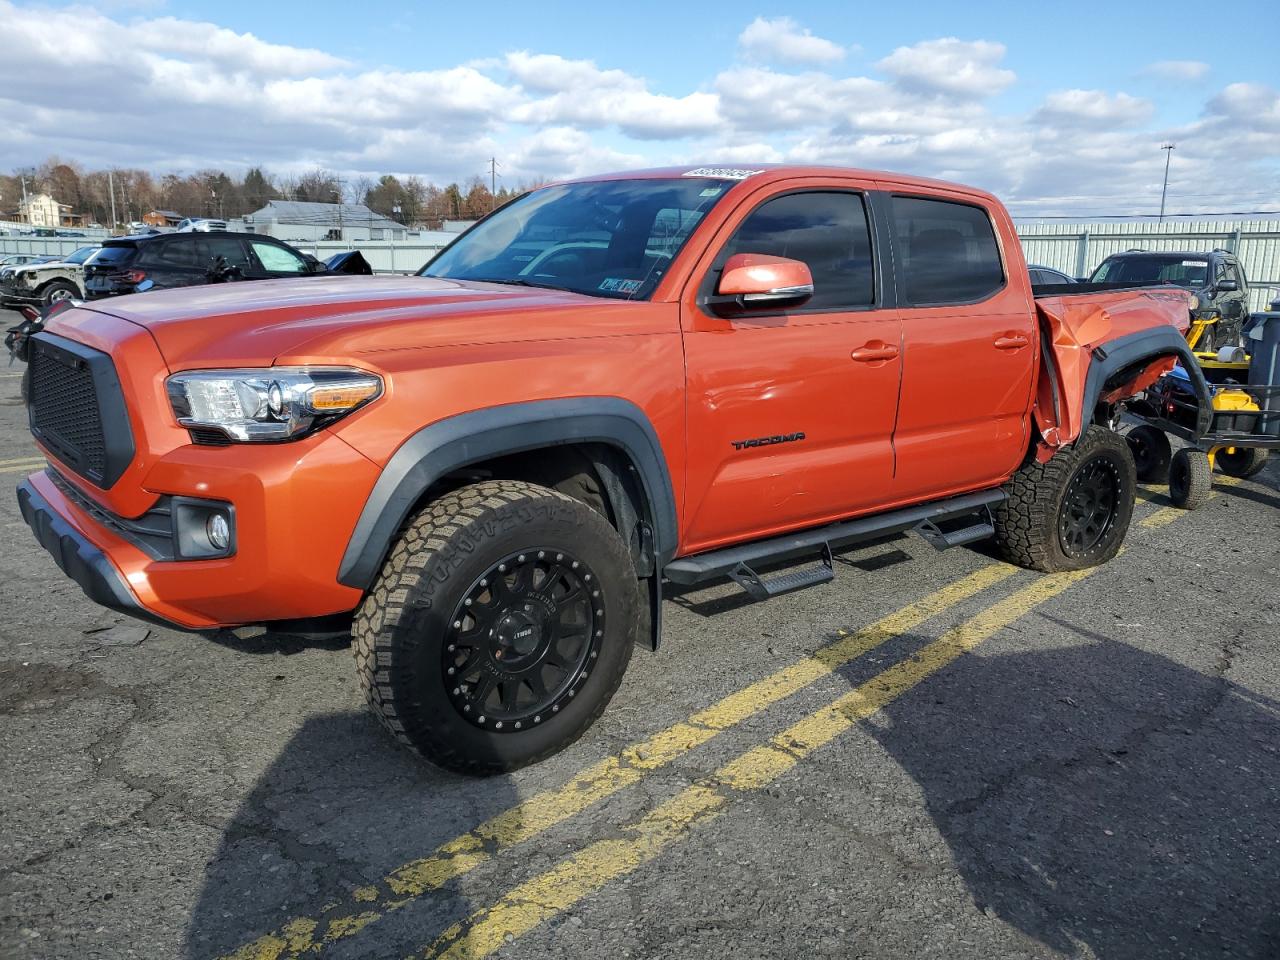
point(1195, 303)
point(275, 403)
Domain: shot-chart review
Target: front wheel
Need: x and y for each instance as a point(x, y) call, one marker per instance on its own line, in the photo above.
point(499, 628)
point(1190, 478)
point(57, 291)
point(1074, 510)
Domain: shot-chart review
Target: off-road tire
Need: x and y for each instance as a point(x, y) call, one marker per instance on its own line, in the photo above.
point(1152, 453)
point(1244, 463)
point(57, 290)
point(1190, 478)
point(399, 632)
point(1028, 523)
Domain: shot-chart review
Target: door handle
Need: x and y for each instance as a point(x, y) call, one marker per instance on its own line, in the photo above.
point(1011, 341)
point(875, 350)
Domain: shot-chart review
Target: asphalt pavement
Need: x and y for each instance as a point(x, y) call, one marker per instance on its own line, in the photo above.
point(934, 755)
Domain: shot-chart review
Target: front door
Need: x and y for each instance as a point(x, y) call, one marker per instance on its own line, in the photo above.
point(790, 412)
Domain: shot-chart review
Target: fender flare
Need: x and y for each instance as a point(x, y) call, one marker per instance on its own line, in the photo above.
point(1115, 355)
point(458, 441)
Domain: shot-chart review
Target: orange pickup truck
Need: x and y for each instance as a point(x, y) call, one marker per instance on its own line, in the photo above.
point(487, 471)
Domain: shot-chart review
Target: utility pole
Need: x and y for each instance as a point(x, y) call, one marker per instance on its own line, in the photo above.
point(493, 182)
point(111, 189)
point(1168, 149)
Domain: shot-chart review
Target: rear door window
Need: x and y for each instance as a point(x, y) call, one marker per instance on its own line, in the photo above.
point(229, 248)
point(826, 230)
point(179, 253)
point(947, 251)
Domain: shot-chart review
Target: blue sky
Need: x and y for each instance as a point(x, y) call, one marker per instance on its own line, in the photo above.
point(1061, 109)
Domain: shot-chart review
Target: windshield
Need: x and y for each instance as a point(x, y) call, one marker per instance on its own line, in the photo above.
point(1179, 269)
point(613, 238)
point(81, 255)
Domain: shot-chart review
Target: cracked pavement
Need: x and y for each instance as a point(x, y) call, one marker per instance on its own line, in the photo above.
point(1100, 778)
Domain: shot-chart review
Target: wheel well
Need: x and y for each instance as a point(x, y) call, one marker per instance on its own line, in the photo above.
point(568, 468)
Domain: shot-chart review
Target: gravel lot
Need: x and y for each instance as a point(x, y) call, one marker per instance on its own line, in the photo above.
point(1015, 766)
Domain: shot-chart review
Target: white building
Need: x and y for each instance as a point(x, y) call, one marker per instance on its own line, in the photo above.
point(298, 220)
point(41, 210)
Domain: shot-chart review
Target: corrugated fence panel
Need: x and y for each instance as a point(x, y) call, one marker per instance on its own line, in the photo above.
point(1077, 248)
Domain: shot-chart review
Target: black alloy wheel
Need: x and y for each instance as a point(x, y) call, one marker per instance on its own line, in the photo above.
point(1089, 509)
point(523, 639)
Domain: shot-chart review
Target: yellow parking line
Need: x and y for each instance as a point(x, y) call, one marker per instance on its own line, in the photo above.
point(573, 879)
point(603, 779)
point(1166, 515)
point(4, 463)
point(29, 466)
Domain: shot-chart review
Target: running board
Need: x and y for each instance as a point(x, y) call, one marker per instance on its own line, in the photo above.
point(736, 562)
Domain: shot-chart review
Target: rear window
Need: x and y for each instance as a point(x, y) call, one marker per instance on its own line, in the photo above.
point(1179, 270)
point(115, 255)
point(947, 250)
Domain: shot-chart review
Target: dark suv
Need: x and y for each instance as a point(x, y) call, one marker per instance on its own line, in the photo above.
point(1216, 278)
point(192, 259)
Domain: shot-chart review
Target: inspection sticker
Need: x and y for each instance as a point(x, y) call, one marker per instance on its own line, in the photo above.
point(617, 285)
point(724, 173)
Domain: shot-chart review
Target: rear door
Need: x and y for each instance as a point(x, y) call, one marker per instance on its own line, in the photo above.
point(232, 250)
point(969, 335)
point(790, 411)
point(176, 261)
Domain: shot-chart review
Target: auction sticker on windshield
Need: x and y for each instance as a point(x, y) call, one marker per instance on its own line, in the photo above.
point(723, 173)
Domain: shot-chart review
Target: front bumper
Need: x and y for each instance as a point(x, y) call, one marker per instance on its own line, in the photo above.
point(79, 559)
point(295, 506)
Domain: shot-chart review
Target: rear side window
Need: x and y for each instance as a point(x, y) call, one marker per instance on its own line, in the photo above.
point(179, 253)
point(827, 231)
point(947, 251)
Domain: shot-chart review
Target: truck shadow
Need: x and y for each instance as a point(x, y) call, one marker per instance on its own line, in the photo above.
point(339, 809)
point(1104, 800)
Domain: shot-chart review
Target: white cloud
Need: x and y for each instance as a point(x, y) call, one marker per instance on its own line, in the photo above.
point(1093, 108)
point(194, 95)
point(782, 40)
point(1178, 70)
point(950, 67)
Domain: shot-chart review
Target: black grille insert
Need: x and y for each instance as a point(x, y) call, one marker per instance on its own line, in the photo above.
point(76, 408)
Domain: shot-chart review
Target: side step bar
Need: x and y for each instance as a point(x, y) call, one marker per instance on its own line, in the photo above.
point(736, 562)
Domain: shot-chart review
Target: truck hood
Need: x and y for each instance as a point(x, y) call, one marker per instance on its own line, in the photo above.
point(325, 319)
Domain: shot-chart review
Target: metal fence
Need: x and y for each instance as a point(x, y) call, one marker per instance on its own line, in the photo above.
point(1074, 248)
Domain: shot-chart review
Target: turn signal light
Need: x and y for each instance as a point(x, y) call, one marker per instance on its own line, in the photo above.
point(342, 396)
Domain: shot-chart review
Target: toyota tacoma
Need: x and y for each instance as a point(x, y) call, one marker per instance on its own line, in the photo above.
point(486, 472)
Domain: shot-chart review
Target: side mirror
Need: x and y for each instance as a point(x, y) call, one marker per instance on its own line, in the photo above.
point(759, 280)
point(1226, 286)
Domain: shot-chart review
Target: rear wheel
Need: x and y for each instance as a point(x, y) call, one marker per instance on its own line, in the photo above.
point(1190, 478)
point(1073, 511)
point(499, 628)
point(1151, 453)
point(1241, 462)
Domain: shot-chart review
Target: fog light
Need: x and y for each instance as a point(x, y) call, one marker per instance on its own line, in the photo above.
point(218, 530)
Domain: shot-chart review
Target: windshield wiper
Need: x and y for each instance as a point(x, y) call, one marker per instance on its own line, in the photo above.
point(516, 282)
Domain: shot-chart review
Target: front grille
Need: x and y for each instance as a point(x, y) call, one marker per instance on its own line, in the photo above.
point(76, 408)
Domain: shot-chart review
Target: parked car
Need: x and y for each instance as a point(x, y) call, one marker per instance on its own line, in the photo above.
point(200, 225)
point(18, 259)
point(488, 470)
point(1216, 279)
point(43, 284)
point(160, 261)
point(1047, 276)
